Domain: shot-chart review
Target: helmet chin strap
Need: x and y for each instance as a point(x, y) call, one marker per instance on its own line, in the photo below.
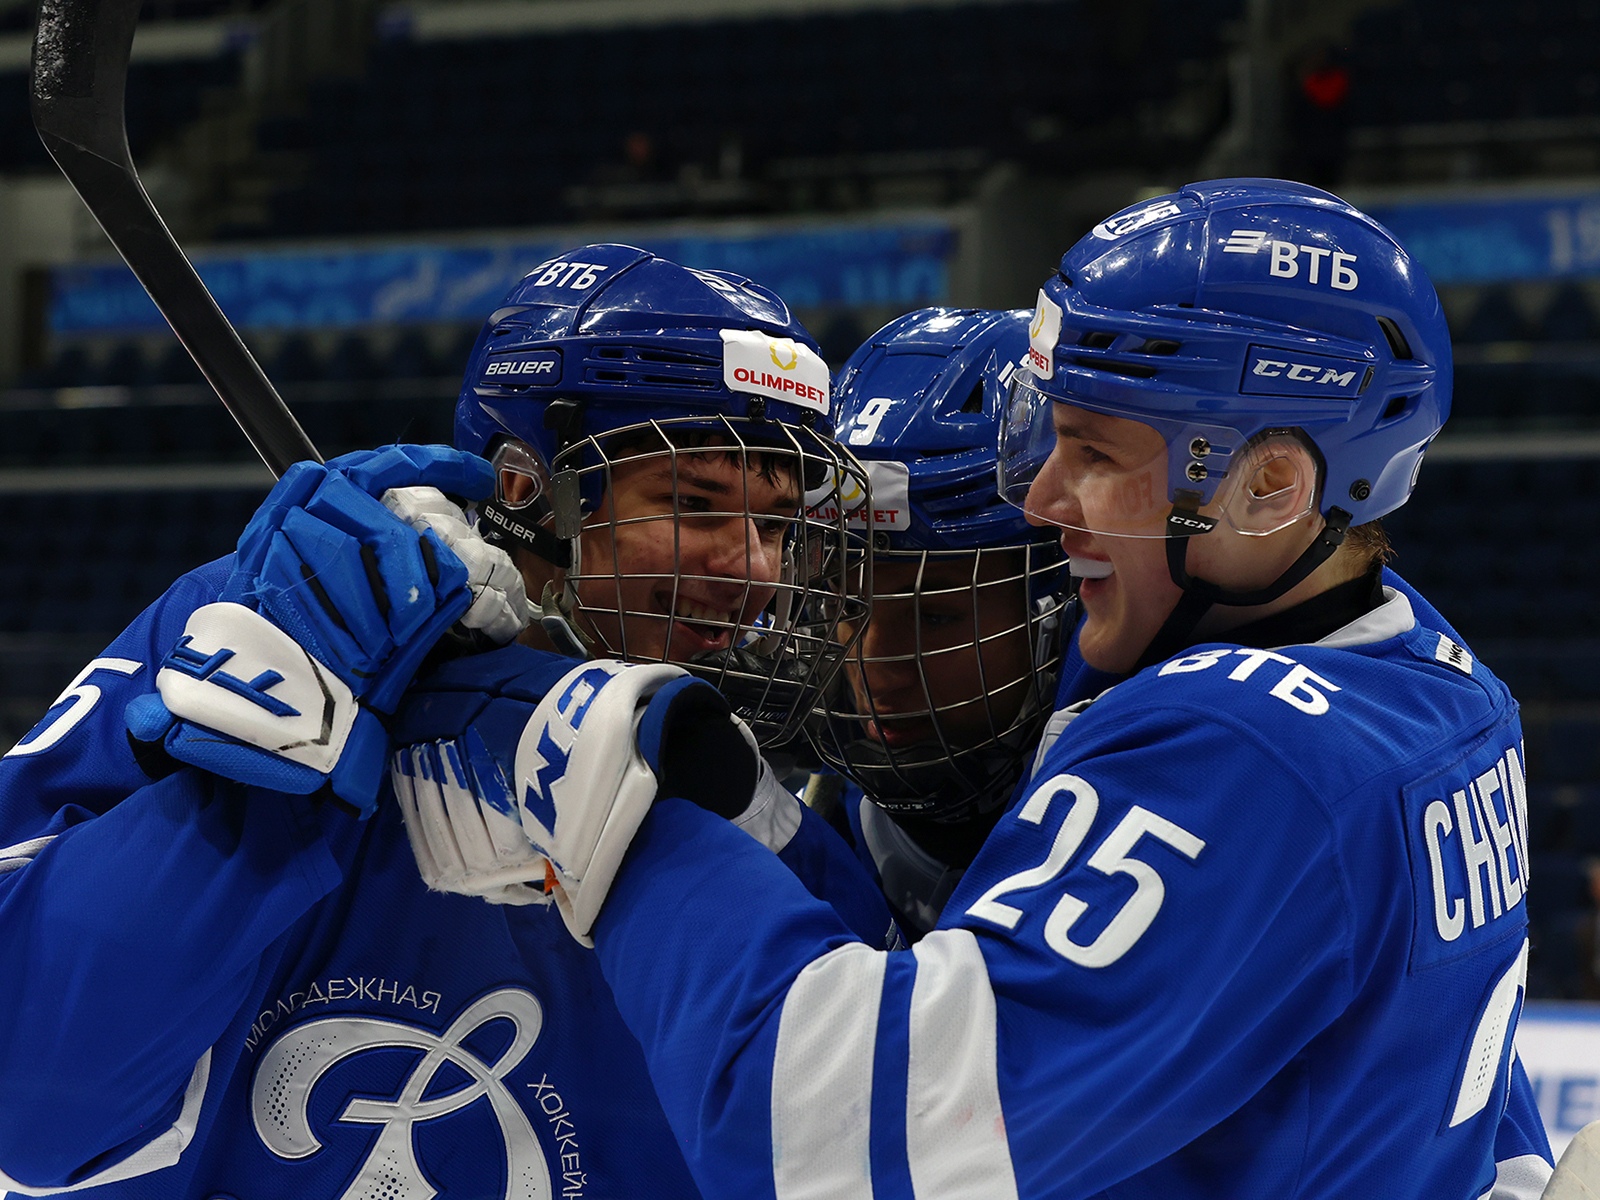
point(1199, 595)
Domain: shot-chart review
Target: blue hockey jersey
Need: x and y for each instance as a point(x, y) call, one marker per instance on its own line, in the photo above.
point(210, 990)
point(1256, 928)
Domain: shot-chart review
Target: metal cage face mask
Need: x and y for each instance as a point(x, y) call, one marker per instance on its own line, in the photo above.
point(700, 552)
point(940, 701)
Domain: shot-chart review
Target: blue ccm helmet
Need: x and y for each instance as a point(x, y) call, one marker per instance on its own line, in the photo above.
point(941, 700)
point(1224, 315)
point(611, 357)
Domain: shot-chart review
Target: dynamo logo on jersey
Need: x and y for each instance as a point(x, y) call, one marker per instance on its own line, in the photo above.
point(290, 1071)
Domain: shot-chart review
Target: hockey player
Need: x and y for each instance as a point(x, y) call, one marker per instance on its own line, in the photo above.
point(931, 731)
point(1256, 926)
point(242, 988)
point(941, 702)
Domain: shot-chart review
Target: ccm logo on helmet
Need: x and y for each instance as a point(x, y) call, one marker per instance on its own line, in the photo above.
point(1274, 372)
point(1286, 263)
point(1302, 372)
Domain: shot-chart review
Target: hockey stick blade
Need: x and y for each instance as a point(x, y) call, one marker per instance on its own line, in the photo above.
point(80, 73)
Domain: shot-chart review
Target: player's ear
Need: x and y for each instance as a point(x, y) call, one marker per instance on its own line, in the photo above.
point(1277, 485)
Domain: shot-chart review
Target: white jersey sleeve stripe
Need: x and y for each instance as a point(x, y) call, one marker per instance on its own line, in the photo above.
point(955, 1129)
point(1489, 1040)
point(156, 1155)
point(773, 815)
point(1520, 1178)
point(14, 858)
point(822, 1078)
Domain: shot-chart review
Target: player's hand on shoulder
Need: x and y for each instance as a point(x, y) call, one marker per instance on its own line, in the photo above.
point(524, 776)
point(344, 580)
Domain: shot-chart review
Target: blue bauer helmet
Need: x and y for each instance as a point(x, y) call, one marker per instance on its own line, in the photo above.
point(1228, 316)
point(653, 430)
point(943, 696)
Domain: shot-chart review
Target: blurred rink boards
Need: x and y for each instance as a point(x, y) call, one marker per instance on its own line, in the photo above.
point(1559, 1043)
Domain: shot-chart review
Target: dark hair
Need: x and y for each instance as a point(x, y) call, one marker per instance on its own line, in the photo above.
point(775, 466)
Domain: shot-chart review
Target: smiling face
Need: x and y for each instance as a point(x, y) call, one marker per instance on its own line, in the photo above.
point(685, 551)
point(1100, 485)
point(1100, 476)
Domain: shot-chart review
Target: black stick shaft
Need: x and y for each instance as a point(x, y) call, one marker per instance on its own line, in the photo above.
point(80, 71)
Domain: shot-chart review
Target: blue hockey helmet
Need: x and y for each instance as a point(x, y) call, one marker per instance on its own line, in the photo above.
point(942, 698)
point(611, 360)
point(610, 336)
point(1225, 315)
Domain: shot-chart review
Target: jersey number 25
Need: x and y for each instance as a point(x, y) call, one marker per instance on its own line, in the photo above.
point(1112, 857)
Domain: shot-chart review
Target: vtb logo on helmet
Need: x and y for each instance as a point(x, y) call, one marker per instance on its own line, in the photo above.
point(1284, 258)
point(1237, 306)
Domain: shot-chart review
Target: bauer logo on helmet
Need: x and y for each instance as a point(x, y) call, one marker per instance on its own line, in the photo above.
point(540, 368)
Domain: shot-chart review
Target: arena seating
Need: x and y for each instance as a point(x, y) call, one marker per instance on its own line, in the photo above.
point(162, 98)
point(1474, 60)
point(484, 132)
point(18, 18)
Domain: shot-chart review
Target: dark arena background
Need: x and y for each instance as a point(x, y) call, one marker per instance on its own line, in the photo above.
point(360, 181)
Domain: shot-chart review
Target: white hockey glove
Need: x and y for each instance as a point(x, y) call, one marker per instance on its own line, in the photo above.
point(500, 608)
point(773, 814)
point(242, 699)
point(461, 818)
point(572, 779)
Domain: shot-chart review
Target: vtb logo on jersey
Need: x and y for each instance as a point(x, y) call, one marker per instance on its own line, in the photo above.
point(296, 1064)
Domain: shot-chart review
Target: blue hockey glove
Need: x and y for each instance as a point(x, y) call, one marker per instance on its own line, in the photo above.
point(357, 587)
point(334, 602)
point(519, 783)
